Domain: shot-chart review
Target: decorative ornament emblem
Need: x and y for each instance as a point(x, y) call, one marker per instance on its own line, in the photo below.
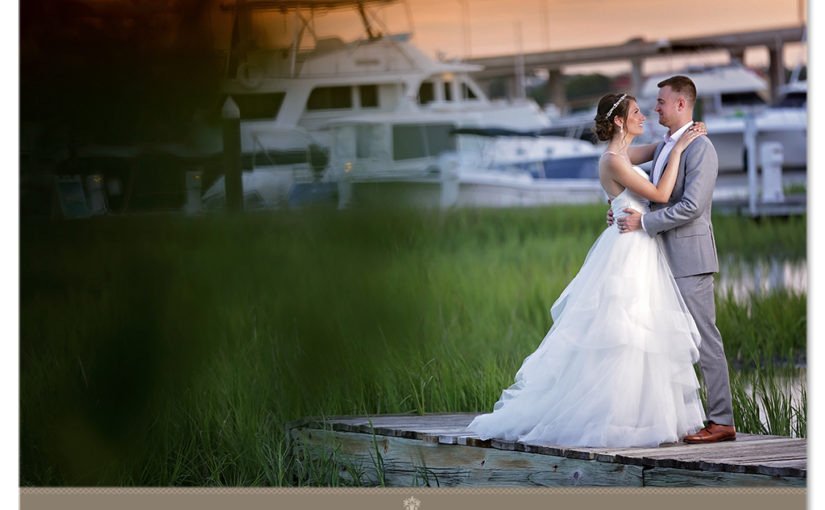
point(411, 503)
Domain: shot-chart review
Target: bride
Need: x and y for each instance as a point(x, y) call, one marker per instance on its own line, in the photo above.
point(616, 367)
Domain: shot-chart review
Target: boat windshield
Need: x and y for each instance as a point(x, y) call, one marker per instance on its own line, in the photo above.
point(793, 100)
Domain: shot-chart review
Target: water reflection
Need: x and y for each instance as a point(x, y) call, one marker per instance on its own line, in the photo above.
point(739, 278)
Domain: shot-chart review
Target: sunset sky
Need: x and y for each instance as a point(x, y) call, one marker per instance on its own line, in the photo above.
point(557, 24)
point(560, 24)
point(473, 28)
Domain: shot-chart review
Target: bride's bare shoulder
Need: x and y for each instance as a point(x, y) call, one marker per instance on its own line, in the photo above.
point(612, 162)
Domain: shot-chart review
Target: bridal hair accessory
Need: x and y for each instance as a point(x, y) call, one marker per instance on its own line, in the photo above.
point(607, 116)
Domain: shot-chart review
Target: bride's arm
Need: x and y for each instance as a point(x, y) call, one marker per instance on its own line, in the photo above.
point(624, 174)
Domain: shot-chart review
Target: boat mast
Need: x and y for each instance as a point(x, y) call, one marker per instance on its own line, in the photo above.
point(372, 36)
point(242, 21)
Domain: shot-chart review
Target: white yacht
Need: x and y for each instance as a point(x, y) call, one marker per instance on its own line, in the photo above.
point(282, 89)
point(430, 159)
point(380, 109)
point(483, 166)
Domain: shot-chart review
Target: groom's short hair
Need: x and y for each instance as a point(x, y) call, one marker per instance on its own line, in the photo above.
point(681, 85)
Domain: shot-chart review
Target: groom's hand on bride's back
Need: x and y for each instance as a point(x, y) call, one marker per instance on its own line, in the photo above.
point(631, 222)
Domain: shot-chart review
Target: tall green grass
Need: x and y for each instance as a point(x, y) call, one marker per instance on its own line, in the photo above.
point(764, 329)
point(165, 350)
point(770, 400)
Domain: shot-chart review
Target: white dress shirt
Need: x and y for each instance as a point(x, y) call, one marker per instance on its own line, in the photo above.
point(664, 155)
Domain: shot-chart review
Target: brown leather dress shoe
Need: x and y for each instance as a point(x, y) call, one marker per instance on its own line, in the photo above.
point(713, 433)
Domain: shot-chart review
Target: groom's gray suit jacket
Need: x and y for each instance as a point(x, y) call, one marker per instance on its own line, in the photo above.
point(684, 221)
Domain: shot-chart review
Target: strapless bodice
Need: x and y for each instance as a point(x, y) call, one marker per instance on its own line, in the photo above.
point(629, 200)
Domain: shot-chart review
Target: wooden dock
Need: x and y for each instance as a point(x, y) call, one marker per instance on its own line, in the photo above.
point(434, 450)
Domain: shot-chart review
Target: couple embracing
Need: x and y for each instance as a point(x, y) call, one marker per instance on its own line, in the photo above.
point(616, 367)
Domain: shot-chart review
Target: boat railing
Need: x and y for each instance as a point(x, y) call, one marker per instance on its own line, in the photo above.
point(311, 167)
point(258, 147)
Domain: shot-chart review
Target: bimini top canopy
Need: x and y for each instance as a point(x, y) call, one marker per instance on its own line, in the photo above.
point(309, 4)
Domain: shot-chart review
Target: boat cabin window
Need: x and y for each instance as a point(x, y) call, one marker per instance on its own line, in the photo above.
point(369, 96)
point(259, 106)
point(426, 93)
point(742, 99)
point(330, 98)
point(793, 100)
point(411, 141)
point(340, 98)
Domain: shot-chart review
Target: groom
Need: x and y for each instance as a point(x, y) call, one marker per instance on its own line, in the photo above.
point(687, 238)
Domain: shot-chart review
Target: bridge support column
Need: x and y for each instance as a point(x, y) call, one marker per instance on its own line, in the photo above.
point(513, 87)
point(737, 54)
point(555, 89)
point(777, 69)
point(636, 74)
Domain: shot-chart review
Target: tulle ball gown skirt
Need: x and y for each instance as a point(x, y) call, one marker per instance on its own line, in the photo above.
point(616, 368)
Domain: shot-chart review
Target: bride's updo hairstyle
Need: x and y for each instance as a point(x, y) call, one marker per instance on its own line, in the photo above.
point(610, 107)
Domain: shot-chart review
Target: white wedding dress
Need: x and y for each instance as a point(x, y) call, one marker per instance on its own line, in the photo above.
point(616, 368)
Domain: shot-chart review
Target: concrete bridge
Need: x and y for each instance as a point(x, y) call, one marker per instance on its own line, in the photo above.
point(635, 51)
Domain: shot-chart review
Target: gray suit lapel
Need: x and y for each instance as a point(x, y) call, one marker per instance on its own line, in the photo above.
point(655, 157)
point(656, 154)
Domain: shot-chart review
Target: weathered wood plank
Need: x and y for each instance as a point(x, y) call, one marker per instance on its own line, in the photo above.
point(766, 460)
point(389, 420)
point(798, 468)
point(673, 477)
point(745, 457)
point(799, 463)
point(412, 463)
point(680, 448)
point(559, 451)
point(716, 448)
point(765, 465)
point(407, 426)
point(474, 441)
point(689, 451)
point(453, 437)
point(742, 437)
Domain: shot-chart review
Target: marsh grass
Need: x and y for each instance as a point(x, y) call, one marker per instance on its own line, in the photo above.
point(770, 400)
point(764, 330)
point(795, 189)
point(164, 350)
